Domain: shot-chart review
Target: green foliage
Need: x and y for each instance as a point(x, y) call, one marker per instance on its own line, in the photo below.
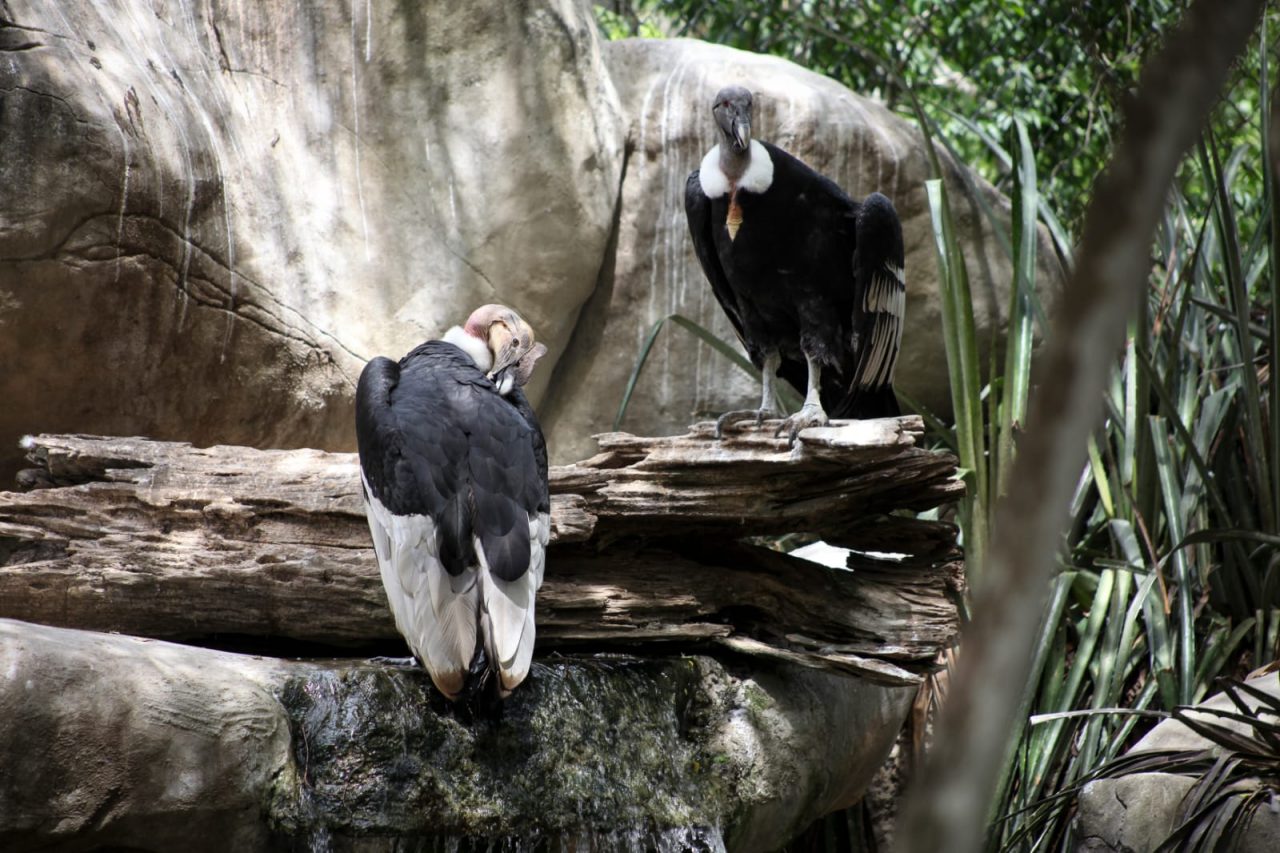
point(1170, 569)
point(962, 365)
point(789, 401)
point(617, 25)
point(1170, 578)
point(1237, 774)
point(1060, 68)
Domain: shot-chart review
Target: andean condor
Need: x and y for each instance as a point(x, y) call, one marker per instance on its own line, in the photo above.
point(454, 470)
point(811, 280)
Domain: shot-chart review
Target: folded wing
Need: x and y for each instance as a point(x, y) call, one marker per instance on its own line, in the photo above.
point(455, 484)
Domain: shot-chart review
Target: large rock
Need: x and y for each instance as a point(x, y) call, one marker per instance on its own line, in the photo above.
point(1137, 812)
point(121, 743)
point(115, 742)
point(666, 88)
point(211, 213)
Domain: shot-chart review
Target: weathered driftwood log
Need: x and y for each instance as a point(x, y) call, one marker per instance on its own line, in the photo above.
point(164, 540)
point(113, 742)
point(753, 484)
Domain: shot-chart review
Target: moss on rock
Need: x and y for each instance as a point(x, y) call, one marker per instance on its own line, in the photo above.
point(595, 745)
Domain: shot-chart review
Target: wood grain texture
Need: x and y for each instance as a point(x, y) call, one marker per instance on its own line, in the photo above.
point(162, 539)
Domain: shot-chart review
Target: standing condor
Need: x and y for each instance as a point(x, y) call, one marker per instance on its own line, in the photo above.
point(454, 470)
point(811, 280)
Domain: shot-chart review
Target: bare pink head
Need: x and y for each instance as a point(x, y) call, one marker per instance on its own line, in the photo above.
point(509, 338)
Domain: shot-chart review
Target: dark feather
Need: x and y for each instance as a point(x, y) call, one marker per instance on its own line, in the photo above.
point(436, 439)
point(795, 277)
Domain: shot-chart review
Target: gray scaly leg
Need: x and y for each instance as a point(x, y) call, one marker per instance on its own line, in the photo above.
point(811, 414)
point(766, 410)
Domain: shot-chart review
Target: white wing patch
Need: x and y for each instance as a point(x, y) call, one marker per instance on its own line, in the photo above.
point(886, 301)
point(440, 615)
point(435, 612)
point(508, 618)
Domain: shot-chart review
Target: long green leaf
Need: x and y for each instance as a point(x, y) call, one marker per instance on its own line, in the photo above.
point(1062, 244)
point(1259, 465)
point(1044, 643)
point(1171, 491)
point(962, 368)
point(788, 396)
point(1271, 186)
point(1017, 365)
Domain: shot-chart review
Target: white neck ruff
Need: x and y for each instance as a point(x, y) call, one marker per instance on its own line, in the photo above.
point(474, 347)
point(757, 178)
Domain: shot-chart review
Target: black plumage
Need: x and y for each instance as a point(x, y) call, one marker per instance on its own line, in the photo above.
point(455, 479)
point(811, 280)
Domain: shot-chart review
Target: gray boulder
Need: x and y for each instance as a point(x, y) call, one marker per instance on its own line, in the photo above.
point(666, 87)
point(1129, 814)
point(112, 741)
point(1136, 813)
point(211, 214)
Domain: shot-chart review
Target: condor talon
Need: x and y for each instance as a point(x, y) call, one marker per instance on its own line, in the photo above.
point(810, 415)
point(737, 415)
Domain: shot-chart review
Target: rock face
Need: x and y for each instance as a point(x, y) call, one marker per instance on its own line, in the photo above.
point(109, 741)
point(666, 88)
point(201, 750)
point(212, 213)
point(1132, 813)
point(1137, 812)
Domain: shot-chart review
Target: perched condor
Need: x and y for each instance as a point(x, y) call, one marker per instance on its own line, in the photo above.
point(454, 470)
point(811, 280)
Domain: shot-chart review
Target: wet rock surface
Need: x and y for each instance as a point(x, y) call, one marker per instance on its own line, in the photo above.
point(671, 753)
point(590, 746)
point(586, 742)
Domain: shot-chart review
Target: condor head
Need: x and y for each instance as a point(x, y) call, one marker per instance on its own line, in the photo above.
point(733, 116)
point(512, 348)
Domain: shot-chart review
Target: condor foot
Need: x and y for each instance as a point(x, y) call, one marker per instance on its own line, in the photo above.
point(757, 415)
point(811, 415)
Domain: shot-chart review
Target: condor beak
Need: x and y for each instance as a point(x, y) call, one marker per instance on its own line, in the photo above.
point(507, 345)
point(742, 132)
point(505, 351)
point(524, 368)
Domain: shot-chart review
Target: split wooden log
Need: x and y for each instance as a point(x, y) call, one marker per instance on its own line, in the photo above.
point(751, 483)
point(165, 540)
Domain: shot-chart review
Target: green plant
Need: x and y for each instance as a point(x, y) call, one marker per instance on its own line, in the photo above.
point(1170, 570)
point(1236, 773)
point(1169, 574)
point(788, 399)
